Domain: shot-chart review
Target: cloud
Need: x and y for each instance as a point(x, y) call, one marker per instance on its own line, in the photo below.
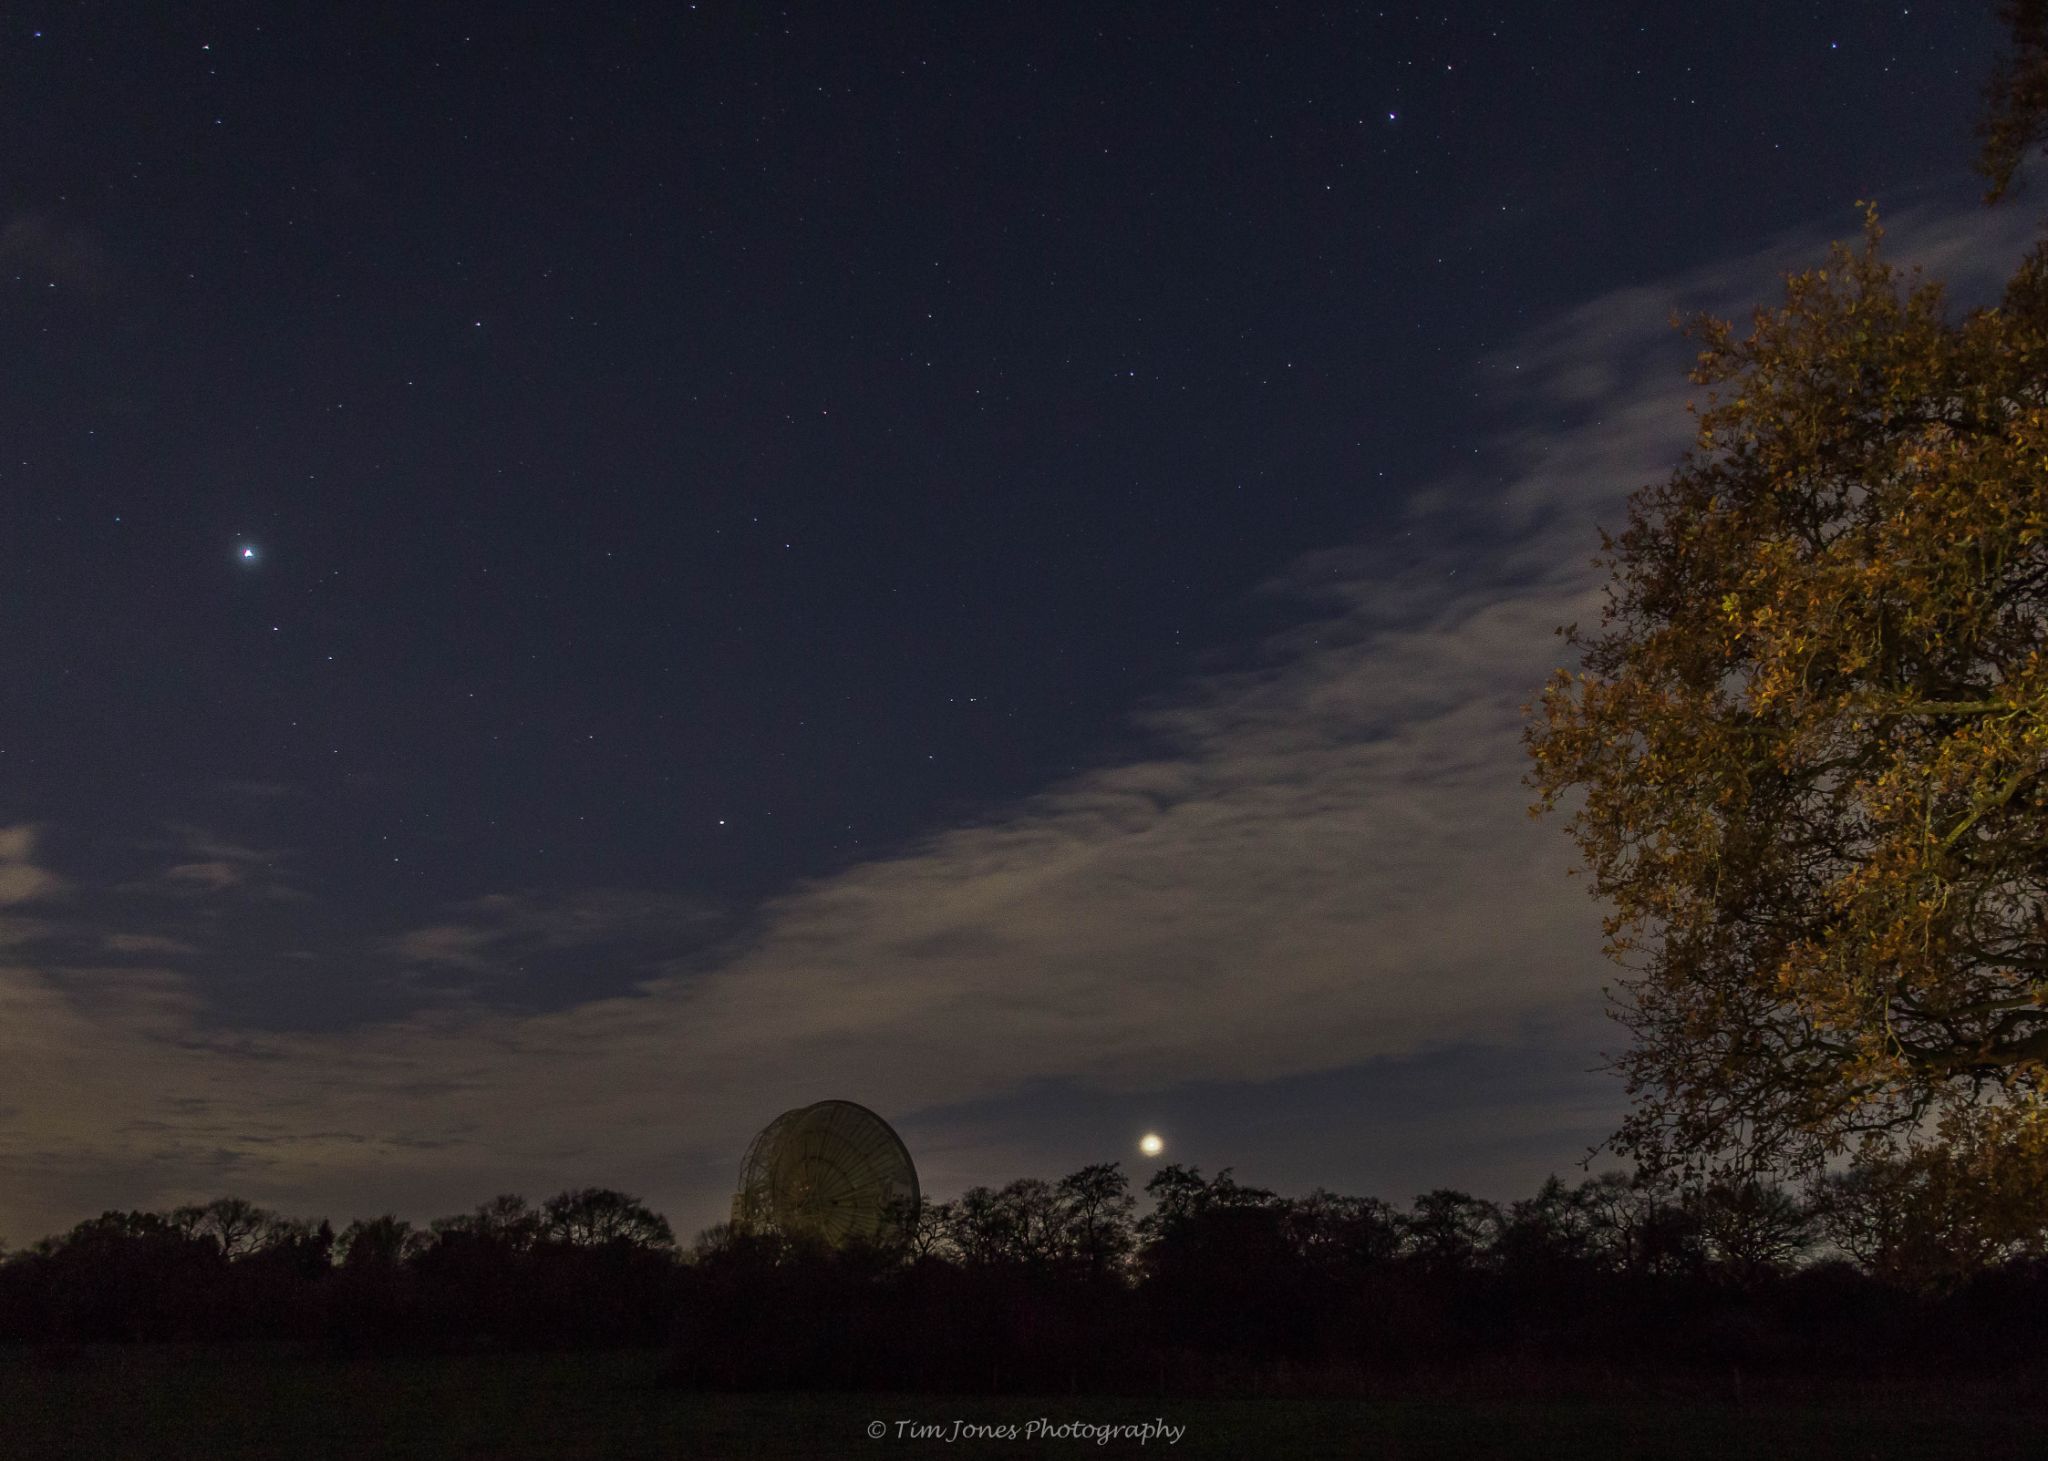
point(460, 946)
point(213, 865)
point(21, 879)
point(210, 877)
point(1322, 864)
point(564, 940)
point(147, 943)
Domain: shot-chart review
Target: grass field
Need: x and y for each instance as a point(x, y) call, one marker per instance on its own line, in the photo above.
point(217, 1405)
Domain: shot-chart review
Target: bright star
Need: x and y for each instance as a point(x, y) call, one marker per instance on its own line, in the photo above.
point(248, 554)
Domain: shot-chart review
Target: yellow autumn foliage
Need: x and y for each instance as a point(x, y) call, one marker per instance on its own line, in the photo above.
point(1808, 743)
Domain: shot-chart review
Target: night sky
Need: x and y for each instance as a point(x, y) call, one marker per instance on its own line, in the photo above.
point(574, 577)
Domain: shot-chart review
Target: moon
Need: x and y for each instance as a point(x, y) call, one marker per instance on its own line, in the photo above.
point(1151, 1144)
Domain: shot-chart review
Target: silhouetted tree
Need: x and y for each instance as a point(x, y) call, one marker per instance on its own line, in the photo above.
point(506, 1220)
point(926, 1228)
point(1752, 1229)
point(1177, 1194)
point(1095, 1206)
point(712, 1243)
point(1558, 1228)
point(1343, 1236)
point(1031, 1220)
point(984, 1227)
point(1640, 1223)
point(237, 1226)
point(1451, 1229)
point(591, 1216)
point(384, 1242)
point(1180, 1195)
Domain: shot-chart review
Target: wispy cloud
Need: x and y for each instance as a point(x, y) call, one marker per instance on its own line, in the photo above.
point(507, 937)
point(22, 879)
point(206, 877)
point(209, 864)
point(147, 943)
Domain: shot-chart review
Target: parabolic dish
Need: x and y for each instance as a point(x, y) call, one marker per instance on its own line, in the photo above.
point(834, 1171)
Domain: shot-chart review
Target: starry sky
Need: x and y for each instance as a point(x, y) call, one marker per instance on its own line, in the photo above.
point(572, 577)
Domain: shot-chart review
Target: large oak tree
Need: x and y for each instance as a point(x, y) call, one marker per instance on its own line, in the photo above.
point(1807, 749)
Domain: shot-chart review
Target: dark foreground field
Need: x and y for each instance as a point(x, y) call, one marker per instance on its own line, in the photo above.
point(147, 1402)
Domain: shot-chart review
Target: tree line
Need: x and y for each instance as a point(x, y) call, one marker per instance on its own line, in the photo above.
point(1052, 1285)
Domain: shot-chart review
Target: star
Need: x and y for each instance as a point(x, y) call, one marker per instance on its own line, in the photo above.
point(247, 553)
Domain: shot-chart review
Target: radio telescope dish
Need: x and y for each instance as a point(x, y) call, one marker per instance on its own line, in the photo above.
point(833, 1171)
